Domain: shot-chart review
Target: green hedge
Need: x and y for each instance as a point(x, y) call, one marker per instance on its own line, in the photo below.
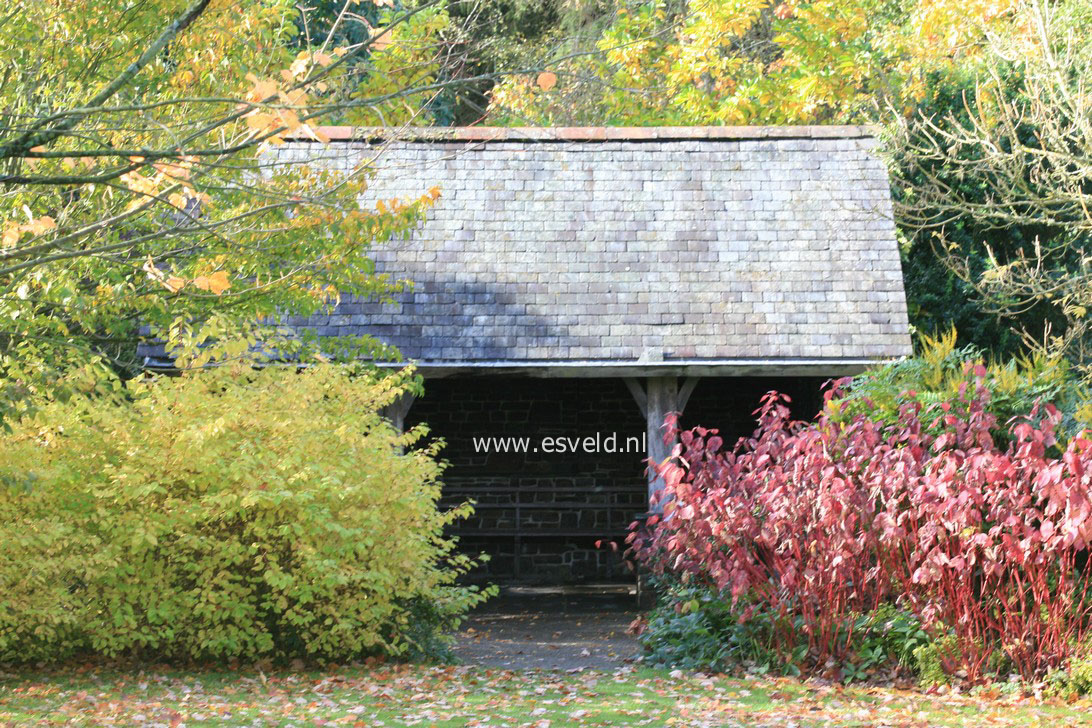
point(231, 514)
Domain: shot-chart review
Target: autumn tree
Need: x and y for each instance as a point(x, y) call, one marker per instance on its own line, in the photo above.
point(743, 62)
point(746, 61)
point(138, 196)
point(1012, 161)
point(797, 62)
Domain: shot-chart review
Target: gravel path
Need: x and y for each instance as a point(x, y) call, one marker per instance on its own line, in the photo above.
point(543, 629)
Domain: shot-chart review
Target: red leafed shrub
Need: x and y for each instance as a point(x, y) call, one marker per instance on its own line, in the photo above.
point(819, 522)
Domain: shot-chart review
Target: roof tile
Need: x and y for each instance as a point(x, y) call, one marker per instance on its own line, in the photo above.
point(716, 243)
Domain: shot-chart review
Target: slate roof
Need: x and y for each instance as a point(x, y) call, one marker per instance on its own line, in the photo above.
point(609, 246)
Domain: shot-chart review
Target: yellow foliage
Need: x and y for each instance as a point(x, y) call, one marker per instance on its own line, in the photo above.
point(941, 370)
point(227, 514)
point(934, 352)
point(216, 283)
point(750, 62)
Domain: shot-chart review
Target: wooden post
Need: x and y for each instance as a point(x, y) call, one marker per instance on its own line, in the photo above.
point(396, 412)
point(662, 396)
point(658, 397)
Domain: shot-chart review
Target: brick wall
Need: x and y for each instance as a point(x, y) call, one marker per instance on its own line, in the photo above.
point(540, 513)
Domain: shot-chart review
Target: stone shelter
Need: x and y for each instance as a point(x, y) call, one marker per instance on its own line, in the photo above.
point(574, 285)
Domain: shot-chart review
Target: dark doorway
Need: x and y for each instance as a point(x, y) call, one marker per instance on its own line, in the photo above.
point(556, 466)
point(549, 500)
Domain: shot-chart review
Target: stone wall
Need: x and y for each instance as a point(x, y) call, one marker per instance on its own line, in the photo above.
point(541, 513)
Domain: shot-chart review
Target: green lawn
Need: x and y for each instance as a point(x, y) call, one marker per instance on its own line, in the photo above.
point(463, 696)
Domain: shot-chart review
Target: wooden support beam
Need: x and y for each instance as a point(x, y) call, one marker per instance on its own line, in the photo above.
point(685, 391)
point(396, 411)
point(638, 393)
point(662, 396)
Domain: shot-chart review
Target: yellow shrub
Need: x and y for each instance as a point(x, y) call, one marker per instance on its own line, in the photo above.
point(227, 514)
